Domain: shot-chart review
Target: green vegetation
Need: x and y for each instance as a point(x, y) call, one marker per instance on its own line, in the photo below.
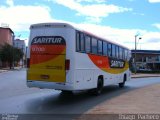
point(10, 54)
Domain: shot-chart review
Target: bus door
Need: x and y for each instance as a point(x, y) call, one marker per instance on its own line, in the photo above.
point(47, 59)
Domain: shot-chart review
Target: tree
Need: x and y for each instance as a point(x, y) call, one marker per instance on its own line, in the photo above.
point(10, 54)
point(18, 54)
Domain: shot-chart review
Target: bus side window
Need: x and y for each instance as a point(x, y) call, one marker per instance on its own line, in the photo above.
point(113, 51)
point(123, 53)
point(126, 54)
point(87, 44)
point(82, 44)
point(77, 41)
point(117, 51)
point(94, 46)
point(104, 48)
point(109, 50)
point(100, 47)
point(129, 55)
point(120, 53)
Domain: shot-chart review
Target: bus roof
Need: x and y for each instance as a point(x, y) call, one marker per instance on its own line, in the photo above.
point(54, 24)
point(62, 25)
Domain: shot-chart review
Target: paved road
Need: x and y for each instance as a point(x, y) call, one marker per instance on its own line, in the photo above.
point(16, 98)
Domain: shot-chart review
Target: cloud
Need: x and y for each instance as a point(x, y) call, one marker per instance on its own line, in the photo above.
point(154, 40)
point(150, 41)
point(98, 1)
point(10, 2)
point(157, 25)
point(154, 1)
point(100, 10)
point(20, 17)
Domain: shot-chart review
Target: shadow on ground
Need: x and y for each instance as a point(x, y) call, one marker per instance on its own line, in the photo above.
point(78, 103)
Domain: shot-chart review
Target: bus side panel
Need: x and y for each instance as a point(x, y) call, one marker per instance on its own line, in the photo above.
point(88, 70)
point(87, 73)
point(84, 79)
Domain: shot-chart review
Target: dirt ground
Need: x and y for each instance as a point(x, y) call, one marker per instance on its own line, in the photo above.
point(144, 101)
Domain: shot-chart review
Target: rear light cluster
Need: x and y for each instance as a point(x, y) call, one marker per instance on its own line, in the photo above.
point(28, 63)
point(67, 64)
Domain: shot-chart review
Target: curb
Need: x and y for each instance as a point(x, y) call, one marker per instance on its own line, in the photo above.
point(144, 76)
point(7, 70)
point(1, 71)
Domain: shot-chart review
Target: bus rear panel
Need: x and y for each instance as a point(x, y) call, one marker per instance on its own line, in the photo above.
point(48, 66)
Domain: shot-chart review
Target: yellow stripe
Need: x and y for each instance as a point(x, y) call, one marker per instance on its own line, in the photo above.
point(117, 70)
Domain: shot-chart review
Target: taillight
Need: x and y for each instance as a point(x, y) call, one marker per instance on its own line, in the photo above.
point(28, 62)
point(67, 64)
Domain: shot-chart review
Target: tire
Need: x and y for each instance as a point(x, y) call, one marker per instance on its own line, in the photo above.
point(99, 88)
point(121, 85)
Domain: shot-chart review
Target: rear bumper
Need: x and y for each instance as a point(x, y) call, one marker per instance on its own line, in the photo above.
point(50, 85)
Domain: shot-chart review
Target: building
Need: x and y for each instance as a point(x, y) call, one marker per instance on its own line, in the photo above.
point(20, 44)
point(147, 60)
point(6, 36)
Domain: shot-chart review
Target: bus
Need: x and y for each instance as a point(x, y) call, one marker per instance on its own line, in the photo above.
point(63, 57)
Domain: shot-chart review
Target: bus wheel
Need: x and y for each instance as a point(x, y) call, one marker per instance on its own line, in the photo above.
point(99, 88)
point(122, 84)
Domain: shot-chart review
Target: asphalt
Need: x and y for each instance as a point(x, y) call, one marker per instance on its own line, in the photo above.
point(18, 99)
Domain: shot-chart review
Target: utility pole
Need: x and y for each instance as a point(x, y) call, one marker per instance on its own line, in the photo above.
point(22, 57)
point(135, 69)
point(13, 38)
point(135, 53)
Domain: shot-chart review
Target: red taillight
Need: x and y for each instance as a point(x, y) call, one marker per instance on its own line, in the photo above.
point(67, 64)
point(28, 62)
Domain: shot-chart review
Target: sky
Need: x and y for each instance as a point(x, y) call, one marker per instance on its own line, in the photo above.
point(117, 20)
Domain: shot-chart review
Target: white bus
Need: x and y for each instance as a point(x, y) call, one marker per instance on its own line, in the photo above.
point(65, 58)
